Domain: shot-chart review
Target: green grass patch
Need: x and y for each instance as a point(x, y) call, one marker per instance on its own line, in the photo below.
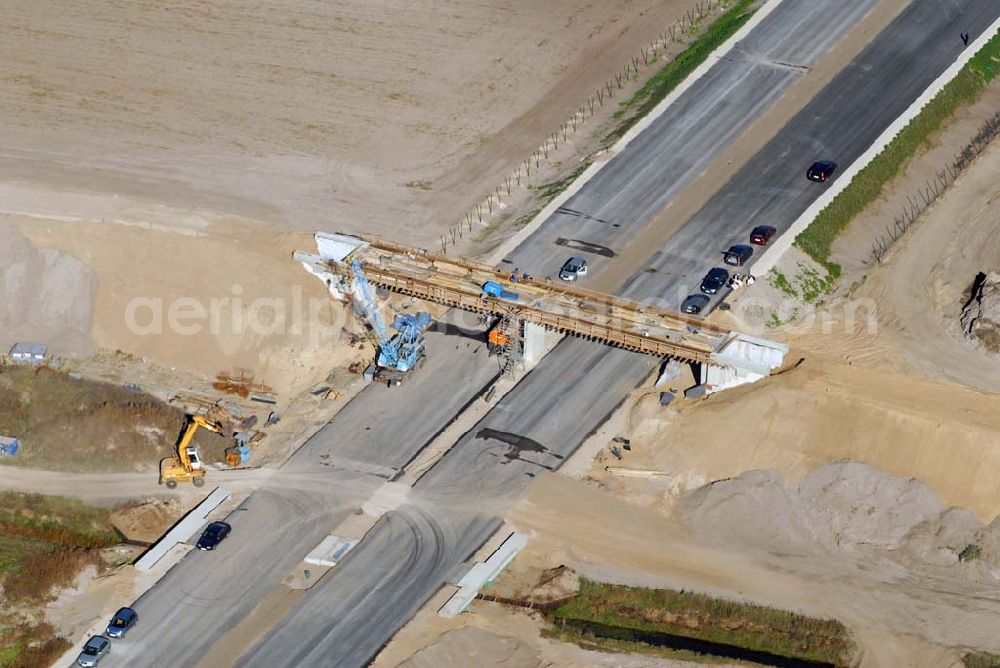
point(705, 618)
point(29, 645)
point(867, 186)
point(55, 520)
point(781, 282)
point(970, 553)
point(981, 660)
point(547, 191)
point(8, 654)
point(613, 645)
point(45, 541)
point(674, 72)
point(812, 283)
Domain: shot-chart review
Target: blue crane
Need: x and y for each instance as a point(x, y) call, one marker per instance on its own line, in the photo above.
point(398, 353)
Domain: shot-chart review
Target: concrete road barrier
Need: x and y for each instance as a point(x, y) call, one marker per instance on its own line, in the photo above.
point(482, 574)
point(182, 531)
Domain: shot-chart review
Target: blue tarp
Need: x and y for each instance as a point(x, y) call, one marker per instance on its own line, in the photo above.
point(8, 446)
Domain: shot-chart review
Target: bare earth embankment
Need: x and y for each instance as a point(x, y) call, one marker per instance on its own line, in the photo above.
point(384, 117)
point(162, 150)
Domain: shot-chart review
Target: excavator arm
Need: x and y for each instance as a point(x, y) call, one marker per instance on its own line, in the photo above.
point(183, 453)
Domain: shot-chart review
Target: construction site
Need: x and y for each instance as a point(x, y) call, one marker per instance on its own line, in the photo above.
point(406, 336)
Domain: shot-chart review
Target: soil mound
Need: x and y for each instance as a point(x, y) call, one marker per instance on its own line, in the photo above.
point(843, 506)
point(981, 315)
point(145, 523)
point(46, 296)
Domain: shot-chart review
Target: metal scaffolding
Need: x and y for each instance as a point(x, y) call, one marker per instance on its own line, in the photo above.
point(567, 309)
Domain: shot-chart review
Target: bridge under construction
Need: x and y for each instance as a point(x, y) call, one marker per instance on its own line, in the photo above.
point(518, 300)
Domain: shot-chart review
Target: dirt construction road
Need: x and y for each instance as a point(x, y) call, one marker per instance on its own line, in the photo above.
point(112, 488)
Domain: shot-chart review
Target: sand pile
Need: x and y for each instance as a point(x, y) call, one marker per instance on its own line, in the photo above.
point(555, 584)
point(846, 506)
point(944, 435)
point(46, 296)
point(145, 523)
point(981, 315)
point(205, 299)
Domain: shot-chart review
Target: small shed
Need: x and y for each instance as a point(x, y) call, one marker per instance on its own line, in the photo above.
point(28, 353)
point(8, 446)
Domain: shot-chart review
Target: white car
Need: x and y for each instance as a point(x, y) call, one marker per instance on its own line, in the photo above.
point(93, 651)
point(574, 268)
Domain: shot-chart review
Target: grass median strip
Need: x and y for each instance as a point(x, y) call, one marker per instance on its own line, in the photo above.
point(660, 85)
point(867, 186)
point(666, 618)
point(677, 70)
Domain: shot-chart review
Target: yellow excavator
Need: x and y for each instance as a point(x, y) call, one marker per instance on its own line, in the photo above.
point(186, 466)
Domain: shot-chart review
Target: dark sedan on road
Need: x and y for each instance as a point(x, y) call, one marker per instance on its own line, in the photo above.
point(120, 624)
point(762, 234)
point(714, 280)
point(694, 304)
point(214, 534)
point(821, 171)
point(737, 255)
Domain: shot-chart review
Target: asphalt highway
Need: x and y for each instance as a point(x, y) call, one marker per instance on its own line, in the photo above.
point(347, 617)
point(326, 480)
point(579, 384)
point(655, 166)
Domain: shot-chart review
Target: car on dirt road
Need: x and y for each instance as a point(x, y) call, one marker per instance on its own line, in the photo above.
point(737, 255)
point(714, 280)
point(120, 624)
point(762, 234)
point(214, 534)
point(574, 268)
point(94, 650)
point(694, 304)
point(821, 170)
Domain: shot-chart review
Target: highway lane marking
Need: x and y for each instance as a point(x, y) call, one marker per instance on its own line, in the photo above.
point(585, 216)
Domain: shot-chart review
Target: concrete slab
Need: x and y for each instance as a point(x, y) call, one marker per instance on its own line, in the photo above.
point(331, 550)
point(387, 497)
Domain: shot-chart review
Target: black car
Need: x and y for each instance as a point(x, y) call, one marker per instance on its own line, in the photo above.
point(738, 255)
point(714, 280)
point(821, 171)
point(762, 234)
point(120, 624)
point(694, 304)
point(214, 534)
